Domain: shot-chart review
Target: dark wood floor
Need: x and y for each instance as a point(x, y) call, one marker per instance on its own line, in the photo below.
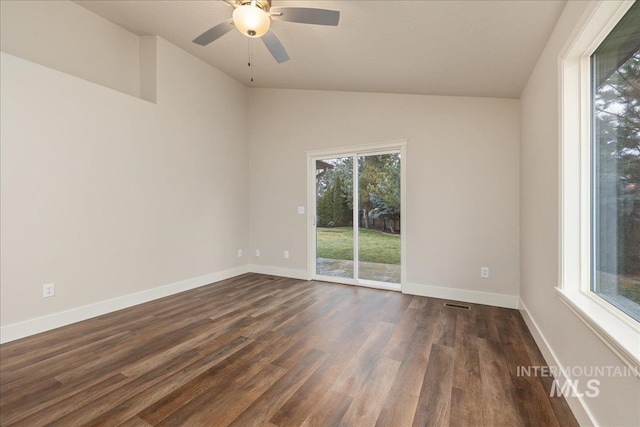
point(261, 350)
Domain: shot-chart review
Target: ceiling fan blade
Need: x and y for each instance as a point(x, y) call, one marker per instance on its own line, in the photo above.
point(275, 47)
point(306, 15)
point(231, 3)
point(214, 33)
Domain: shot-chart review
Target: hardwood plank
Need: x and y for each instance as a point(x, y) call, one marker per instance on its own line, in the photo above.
point(446, 327)
point(248, 363)
point(136, 403)
point(136, 351)
point(435, 397)
point(45, 410)
point(400, 406)
point(267, 404)
point(244, 373)
point(52, 360)
point(355, 374)
point(401, 339)
point(466, 408)
point(181, 369)
point(398, 409)
point(395, 307)
point(498, 403)
point(80, 411)
point(134, 422)
point(414, 364)
point(296, 409)
point(225, 408)
point(329, 411)
point(40, 377)
point(367, 403)
point(57, 364)
point(558, 403)
point(532, 403)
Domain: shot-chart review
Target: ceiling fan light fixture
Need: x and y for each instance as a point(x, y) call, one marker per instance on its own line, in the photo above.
point(251, 20)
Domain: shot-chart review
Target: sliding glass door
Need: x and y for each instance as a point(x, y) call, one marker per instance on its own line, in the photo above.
point(379, 227)
point(357, 218)
point(334, 217)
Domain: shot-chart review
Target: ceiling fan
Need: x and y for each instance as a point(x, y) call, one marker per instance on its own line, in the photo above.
point(253, 19)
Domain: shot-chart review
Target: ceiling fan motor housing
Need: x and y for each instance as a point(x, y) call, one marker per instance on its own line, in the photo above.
point(262, 4)
point(252, 18)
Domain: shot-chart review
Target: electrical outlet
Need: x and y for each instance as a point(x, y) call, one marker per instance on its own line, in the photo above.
point(48, 290)
point(300, 209)
point(286, 254)
point(257, 252)
point(484, 272)
point(239, 253)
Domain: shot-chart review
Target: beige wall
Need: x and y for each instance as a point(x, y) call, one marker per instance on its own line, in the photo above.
point(106, 194)
point(69, 38)
point(462, 174)
point(573, 343)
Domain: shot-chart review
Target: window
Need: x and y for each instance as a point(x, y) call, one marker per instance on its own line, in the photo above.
point(599, 275)
point(615, 171)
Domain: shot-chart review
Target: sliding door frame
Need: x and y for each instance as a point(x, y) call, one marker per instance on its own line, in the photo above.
point(397, 146)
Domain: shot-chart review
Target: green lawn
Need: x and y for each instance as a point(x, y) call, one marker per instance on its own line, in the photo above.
point(337, 243)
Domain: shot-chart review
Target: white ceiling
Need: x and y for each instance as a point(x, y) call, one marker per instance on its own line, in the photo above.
point(464, 48)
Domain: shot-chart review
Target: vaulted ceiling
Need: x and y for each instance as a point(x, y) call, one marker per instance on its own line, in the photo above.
point(462, 48)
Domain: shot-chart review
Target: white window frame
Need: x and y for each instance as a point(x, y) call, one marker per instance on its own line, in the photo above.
point(395, 146)
point(619, 331)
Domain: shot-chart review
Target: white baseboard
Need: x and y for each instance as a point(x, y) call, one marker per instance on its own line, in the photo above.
point(577, 404)
point(278, 271)
point(55, 320)
point(476, 297)
point(29, 327)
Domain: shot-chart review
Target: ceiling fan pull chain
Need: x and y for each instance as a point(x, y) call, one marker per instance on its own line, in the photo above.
point(249, 61)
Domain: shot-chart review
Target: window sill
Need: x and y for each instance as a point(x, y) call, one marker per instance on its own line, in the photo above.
point(622, 336)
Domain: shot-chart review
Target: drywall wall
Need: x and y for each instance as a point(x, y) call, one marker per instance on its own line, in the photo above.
point(572, 342)
point(462, 178)
point(106, 194)
point(69, 38)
